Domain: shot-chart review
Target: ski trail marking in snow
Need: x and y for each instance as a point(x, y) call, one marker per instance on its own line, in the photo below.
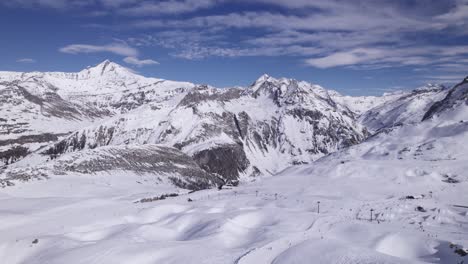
point(267, 253)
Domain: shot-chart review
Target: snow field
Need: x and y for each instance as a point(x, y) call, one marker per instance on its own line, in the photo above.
point(94, 218)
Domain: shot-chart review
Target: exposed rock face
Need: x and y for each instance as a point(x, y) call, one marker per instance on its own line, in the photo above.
point(77, 141)
point(226, 160)
point(161, 161)
point(13, 154)
point(456, 96)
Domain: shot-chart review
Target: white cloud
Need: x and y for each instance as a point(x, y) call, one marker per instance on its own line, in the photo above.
point(458, 13)
point(446, 79)
point(116, 48)
point(152, 8)
point(55, 4)
point(346, 58)
point(117, 3)
point(119, 48)
point(26, 60)
point(324, 33)
point(359, 33)
point(138, 62)
point(382, 57)
point(120, 7)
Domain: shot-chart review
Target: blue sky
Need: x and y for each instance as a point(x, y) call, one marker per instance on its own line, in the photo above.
point(356, 47)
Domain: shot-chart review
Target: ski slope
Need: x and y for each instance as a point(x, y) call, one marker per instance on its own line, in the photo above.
point(95, 218)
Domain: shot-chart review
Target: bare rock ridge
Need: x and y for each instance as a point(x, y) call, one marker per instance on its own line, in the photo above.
point(456, 96)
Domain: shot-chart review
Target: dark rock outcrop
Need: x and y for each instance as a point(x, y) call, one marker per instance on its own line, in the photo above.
point(177, 167)
point(226, 161)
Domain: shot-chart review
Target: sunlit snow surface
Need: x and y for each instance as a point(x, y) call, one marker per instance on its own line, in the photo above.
point(94, 218)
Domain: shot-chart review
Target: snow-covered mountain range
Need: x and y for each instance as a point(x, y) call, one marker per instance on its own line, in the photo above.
point(231, 133)
point(103, 164)
point(260, 129)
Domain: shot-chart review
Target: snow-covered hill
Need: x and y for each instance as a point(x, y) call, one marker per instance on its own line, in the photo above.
point(406, 108)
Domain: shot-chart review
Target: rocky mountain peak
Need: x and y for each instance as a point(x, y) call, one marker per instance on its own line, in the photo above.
point(260, 81)
point(289, 91)
point(106, 68)
point(456, 96)
point(262, 78)
point(266, 83)
point(430, 87)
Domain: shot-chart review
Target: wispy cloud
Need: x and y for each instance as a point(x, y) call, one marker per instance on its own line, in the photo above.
point(116, 48)
point(55, 4)
point(139, 63)
point(118, 3)
point(342, 34)
point(120, 7)
point(119, 48)
point(152, 8)
point(381, 57)
point(346, 58)
point(26, 60)
point(352, 34)
point(448, 78)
